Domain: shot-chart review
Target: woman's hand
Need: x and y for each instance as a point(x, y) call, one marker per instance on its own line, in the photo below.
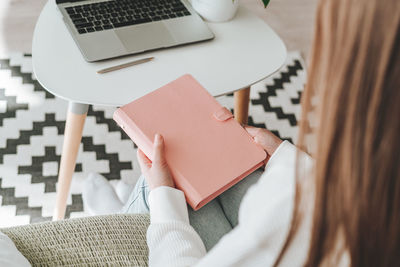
point(264, 138)
point(157, 172)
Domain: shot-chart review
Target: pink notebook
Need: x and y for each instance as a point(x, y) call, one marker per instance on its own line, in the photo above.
point(206, 149)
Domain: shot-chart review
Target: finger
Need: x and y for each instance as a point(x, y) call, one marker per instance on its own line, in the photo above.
point(253, 131)
point(144, 161)
point(159, 156)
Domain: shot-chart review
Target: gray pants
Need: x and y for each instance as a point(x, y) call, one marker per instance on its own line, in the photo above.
point(212, 221)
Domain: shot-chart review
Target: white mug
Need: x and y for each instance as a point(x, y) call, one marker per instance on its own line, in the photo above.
point(216, 10)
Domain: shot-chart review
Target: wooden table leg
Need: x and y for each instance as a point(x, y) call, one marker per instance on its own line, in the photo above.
point(72, 138)
point(241, 110)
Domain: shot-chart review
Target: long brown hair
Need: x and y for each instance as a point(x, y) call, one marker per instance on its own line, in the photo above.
point(354, 75)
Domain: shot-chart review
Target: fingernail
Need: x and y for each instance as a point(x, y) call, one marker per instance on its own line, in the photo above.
point(157, 138)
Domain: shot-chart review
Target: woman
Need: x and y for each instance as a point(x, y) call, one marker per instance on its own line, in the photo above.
point(342, 207)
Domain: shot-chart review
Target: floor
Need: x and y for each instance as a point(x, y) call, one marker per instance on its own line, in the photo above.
point(291, 19)
point(32, 125)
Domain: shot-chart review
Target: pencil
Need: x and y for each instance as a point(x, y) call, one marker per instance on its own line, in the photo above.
point(125, 65)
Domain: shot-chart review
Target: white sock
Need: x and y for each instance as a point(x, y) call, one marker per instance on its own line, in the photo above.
point(99, 196)
point(124, 190)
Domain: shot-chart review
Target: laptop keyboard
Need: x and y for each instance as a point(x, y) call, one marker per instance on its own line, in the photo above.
point(120, 13)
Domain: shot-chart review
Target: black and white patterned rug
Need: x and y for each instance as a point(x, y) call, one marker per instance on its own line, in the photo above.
point(31, 135)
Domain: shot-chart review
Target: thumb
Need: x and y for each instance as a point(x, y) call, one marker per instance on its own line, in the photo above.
point(144, 161)
point(159, 155)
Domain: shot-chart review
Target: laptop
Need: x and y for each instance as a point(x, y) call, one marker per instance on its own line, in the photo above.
point(105, 29)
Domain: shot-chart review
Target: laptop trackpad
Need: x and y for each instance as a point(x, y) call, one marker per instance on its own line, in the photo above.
point(145, 37)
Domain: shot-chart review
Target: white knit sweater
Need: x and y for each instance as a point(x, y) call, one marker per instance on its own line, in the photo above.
point(264, 220)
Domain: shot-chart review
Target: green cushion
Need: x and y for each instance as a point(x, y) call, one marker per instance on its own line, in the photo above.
point(91, 241)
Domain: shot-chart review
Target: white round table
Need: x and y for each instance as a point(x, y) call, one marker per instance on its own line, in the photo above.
point(245, 50)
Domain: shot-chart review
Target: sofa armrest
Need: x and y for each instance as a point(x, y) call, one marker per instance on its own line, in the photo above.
point(101, 240)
